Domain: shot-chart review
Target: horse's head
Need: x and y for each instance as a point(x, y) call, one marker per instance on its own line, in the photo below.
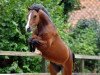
point(34, 16)
point(33, 20)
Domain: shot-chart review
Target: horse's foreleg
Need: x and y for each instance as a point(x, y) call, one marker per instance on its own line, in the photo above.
point(67, 67)
point(54, 69)
point(31, 46)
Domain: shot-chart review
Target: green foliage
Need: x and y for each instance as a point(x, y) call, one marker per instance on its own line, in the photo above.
point(83, 40)
point(26, 64)
point(70, 5)
point(12, 26)
point(84, 37)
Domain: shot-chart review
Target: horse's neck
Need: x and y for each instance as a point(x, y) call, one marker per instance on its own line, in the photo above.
point(41, 28)
point(45, 22)
point(44, 18)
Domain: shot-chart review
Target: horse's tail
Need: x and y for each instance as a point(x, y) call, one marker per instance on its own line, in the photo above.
point(73, 55)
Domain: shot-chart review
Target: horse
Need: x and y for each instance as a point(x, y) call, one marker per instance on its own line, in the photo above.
point(47, 40)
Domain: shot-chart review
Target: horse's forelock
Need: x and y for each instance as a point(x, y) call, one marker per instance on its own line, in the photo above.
point(37, 7)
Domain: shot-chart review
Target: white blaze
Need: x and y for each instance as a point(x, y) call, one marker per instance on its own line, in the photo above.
point(27, 26)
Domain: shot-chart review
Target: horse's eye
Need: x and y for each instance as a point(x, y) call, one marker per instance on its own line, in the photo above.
point(34, 16)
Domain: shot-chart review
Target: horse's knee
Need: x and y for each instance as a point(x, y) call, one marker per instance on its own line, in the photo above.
point(31, 47)
point(54, 68)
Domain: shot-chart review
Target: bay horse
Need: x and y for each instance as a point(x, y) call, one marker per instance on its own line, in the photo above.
point(46, 39)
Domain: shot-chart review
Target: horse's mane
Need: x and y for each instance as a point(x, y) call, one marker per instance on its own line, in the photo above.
point(37, 7)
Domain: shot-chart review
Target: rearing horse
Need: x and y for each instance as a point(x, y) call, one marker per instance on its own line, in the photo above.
point(46, 39)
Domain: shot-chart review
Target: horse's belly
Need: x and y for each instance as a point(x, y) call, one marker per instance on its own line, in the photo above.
point(57, 53)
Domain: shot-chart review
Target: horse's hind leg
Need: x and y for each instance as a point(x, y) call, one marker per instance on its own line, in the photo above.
point(67, 67)
point(54, 68)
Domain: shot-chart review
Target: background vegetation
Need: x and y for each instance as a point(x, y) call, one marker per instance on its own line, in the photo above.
point(84, 39)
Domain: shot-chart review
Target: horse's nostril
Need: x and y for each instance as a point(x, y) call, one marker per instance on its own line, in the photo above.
point(28, 29)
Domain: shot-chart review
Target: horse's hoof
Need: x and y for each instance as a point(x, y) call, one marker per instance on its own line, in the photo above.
point(35, 42)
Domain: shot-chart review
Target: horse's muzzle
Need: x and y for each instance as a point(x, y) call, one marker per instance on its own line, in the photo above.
point(28, 29)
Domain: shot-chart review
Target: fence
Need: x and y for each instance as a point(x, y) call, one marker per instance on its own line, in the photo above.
point(49, 74)
point(77, 56)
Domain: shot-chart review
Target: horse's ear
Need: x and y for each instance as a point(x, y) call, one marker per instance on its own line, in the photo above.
point(43, 15)
point(41, 12)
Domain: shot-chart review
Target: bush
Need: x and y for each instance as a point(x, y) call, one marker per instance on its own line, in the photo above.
point(84, 36)
point(83, 40)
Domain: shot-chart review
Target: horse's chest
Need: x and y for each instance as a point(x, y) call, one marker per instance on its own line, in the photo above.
point(44, 36)
point(44, 33)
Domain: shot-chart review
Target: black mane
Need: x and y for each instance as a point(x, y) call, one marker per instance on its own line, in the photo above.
point(37, 7)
